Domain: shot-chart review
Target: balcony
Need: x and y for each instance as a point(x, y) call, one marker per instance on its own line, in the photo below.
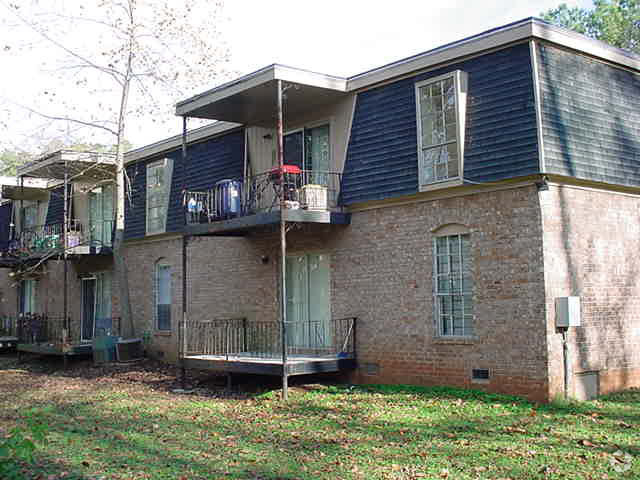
point(238, 205)
point(47, 240)
point(239, 345)
point(8, 333)
point(52, 335)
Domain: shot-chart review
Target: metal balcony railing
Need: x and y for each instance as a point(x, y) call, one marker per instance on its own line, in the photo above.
point(53, 329)
point(8, 326)
point(43, 239)
point(240, 337)
point(302, 189)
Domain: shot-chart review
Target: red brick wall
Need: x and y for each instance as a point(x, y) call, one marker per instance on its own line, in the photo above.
point(591, 245)
point(381, 268)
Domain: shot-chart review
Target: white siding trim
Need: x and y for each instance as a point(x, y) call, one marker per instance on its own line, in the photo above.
point(538, 104)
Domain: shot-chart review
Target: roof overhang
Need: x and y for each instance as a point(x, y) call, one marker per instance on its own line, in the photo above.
point(78, 166)
point(251, 99)
point(30, 189)
point(530, 28)
point(12, 192)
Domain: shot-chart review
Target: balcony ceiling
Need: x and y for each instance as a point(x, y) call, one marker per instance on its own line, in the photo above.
point(14, 192)
point(252, 100)
point(79, 166)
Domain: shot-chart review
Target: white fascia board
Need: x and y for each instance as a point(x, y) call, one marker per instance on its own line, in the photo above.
point(226, 90)
point(32, 182)
point(174, 142)
point(66, 155)
point(576, 41)
point(311, 79)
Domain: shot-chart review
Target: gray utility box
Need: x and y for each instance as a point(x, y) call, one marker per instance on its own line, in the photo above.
point(567, 312)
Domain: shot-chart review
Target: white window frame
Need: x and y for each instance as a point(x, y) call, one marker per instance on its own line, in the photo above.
point(437, 295)
point(460, 86)
point(156, 295)
point(160, 196)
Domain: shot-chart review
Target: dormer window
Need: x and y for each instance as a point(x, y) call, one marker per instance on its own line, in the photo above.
point(440, 106)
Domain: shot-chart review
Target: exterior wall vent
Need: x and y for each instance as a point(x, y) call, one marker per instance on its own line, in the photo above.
point(480, 374)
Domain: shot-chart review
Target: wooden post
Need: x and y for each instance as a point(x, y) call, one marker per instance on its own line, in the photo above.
point(283, 245)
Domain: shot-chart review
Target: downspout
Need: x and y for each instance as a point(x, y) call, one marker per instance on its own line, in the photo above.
point(283, 246)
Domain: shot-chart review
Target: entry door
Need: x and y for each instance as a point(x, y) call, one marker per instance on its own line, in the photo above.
point(308, 306)
point(88, 307)
point(96, 306)
point(101, 216)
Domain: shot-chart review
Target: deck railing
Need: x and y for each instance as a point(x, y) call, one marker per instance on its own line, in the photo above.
point(306, 190)
point(8, 326)
point(42, 239)
point(53, 329)
point(240, 337)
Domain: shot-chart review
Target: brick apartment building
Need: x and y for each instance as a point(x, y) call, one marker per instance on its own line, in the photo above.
point(439, 207)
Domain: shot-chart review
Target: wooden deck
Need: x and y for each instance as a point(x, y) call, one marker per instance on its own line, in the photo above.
point(296, 364)
point(55, 349)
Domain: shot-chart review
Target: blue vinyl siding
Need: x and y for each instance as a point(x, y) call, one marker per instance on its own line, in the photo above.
point(135, 215)
point(55, 209)
point(208, 162)
point(590, 118)
point(501, 134)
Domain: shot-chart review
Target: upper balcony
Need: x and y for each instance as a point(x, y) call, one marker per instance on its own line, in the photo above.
point(316, 113)
point(62, 203)
point(238, 205)
point(82, 238)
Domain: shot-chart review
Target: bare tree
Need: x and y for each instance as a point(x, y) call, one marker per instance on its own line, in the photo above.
point(118, 61)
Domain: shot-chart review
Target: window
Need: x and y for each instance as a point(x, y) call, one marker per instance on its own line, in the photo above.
point(440, 105)
point(308, 148)
point(162, 310)
point(158, 189)
point(453, 285)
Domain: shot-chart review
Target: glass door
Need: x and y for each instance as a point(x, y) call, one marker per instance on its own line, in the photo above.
point(88, 308)
point(103, 319)
point(101, 216)
point(308, 303)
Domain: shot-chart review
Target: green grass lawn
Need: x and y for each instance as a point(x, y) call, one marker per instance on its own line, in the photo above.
point(124, 423)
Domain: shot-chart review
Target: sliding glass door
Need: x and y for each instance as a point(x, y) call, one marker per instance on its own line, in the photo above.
point(308, 302)
point(96, 306)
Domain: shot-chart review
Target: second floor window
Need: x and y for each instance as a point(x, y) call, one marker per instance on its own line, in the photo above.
point(440, 105)
point(158, 190)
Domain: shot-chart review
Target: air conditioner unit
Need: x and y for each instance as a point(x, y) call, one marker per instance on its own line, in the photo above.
point(314, 197)
point(128, 350)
